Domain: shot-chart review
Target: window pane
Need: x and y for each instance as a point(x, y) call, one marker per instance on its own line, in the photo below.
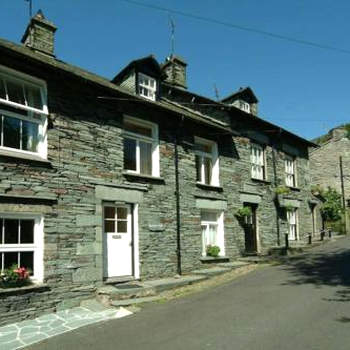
point(122, 226)
point(207, 170)
point(208, 216)
point(33, 97)
point(2, 89)
point(122, 213)
point(11, 231)
point(109, 212)
point(30, 136)
point(27, 261)
point(129, 154)
point(138, 129)
point(212, 234)
point(10, 259)
point(15, 92)
point(145, 158)
point(198, 168)
point(12, 132)
point(27, 231)
point(1, 237)
point(203, 147)
point(109, 226)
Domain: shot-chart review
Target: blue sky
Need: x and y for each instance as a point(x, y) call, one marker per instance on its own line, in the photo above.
point(301, 88)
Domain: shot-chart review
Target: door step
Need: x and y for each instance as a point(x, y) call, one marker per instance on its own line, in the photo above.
point(106, 295)
point(122, 279)
point(134, 301)
point(212, 271)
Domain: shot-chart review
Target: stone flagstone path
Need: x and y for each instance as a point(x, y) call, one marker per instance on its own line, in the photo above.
point(21, 334)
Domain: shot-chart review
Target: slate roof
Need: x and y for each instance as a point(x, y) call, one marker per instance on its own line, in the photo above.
point(241, 91)
point(56, 64)
point(241, 114)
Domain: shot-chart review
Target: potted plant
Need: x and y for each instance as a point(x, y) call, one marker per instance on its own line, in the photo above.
point(280, 192)
point(243, 214)
point(212, 250)
point(14, 277)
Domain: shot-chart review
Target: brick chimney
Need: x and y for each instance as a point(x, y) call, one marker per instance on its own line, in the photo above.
point(175, 69)
point(40, 35)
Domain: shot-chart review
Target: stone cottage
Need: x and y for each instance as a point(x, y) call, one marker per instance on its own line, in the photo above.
point(107, 181)
point(325, 162)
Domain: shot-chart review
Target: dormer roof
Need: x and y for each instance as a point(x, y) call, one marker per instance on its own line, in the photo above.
point(245, 94)
point(147, 65)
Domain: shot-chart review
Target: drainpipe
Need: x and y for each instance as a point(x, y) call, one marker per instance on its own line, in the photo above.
point(275, 184)
point(177, 194)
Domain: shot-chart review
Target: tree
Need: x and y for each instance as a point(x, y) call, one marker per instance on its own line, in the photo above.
point(331, 208)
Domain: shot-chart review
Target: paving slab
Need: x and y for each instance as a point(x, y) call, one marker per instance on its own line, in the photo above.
point(28, 332)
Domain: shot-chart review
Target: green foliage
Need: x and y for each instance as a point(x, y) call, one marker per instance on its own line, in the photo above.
point(244, 212)
point(282, 190)
point(331, 209)
point(347, 129)
point(317, 190)
point(212, 250)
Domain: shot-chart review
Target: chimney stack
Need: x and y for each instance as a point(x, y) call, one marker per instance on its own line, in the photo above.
point(40, 35)
point(175, 70)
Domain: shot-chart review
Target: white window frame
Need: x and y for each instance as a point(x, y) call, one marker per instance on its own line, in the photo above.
point(152, 90)
point(213, 156)
point(154, 140)
point(293, 227)
point(244, 106)
point(219, 223)
point(34, 115)
point(290, 171)
point(258, 162)
point(37, 247)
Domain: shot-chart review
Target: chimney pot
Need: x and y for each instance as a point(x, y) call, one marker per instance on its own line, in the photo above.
point(40, 35)
point(175, 70)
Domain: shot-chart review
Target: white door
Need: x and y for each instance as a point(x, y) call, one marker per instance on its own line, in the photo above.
point(118, 241)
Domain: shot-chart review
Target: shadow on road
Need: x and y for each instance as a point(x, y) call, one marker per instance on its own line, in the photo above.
point(323, 269)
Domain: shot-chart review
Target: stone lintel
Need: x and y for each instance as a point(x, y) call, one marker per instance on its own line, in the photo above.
point(286, 202)
point(211, 204)
point(250, 198)
point(118, 194)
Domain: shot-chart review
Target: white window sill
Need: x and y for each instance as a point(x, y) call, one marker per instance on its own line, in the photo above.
point(260, 180)
point(209, 187)
point(23, 155)
point(142, 176)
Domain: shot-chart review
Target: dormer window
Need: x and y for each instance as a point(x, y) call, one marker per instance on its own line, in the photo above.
point(244, 106)
point(147, 86)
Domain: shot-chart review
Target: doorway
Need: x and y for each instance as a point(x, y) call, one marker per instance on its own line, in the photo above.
point(251, 230)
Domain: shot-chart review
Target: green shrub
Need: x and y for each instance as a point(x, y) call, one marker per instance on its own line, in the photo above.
point(212, 250)
point(244, 212)
point(282, 190)
point(331, 209)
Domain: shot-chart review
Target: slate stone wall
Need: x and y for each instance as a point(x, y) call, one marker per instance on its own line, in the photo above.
point(324, 161)
point(85, 153)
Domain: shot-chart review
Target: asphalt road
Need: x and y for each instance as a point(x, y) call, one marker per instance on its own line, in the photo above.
point(303, 304)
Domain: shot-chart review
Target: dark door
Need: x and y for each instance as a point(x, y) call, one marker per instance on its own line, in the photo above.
point(250, 231)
